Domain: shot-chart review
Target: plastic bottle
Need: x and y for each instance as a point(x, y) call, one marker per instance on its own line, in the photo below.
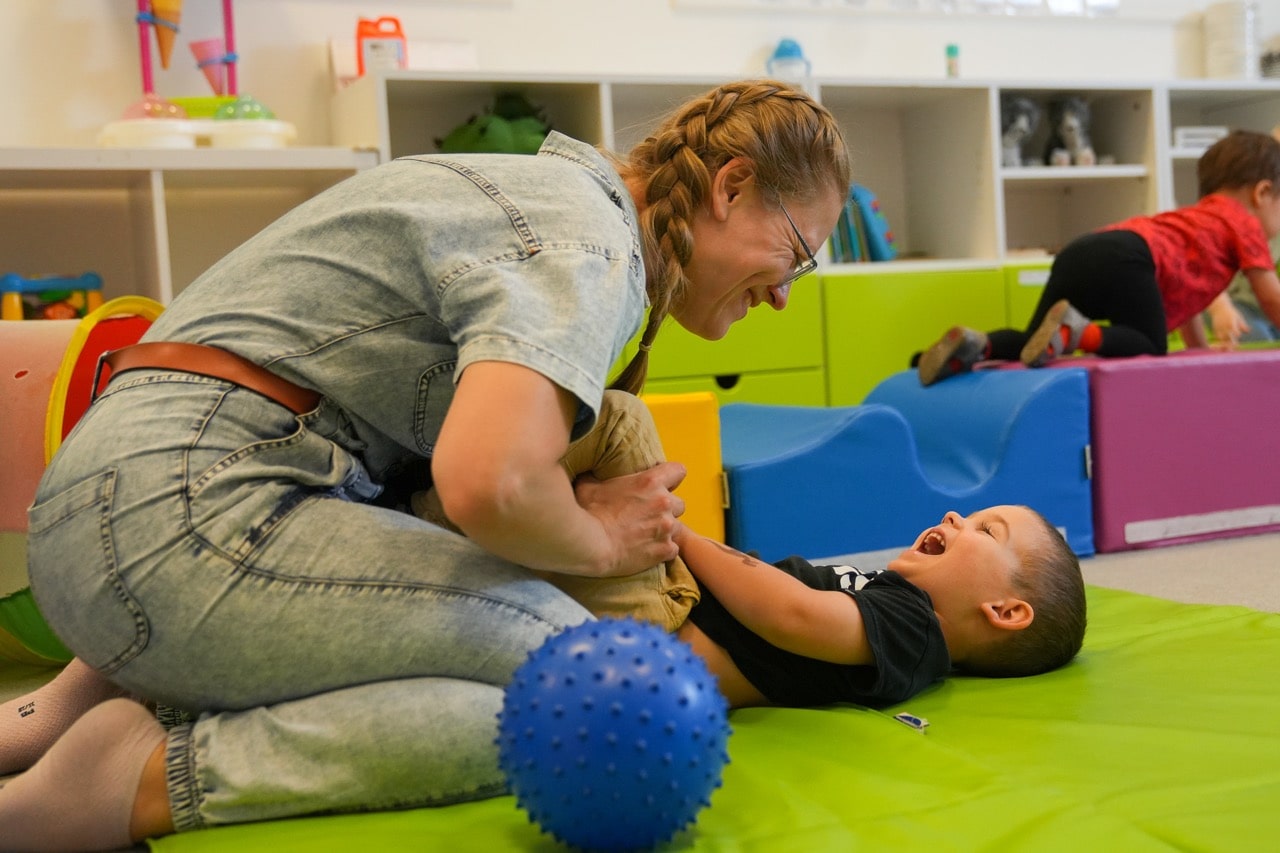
point(380, 43)
point(789, 63)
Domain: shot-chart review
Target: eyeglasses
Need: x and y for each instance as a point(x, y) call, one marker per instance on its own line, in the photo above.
point(803, 267)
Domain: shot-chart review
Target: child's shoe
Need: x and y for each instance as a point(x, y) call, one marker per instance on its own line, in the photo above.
point(955, 352)
point(1046, 343)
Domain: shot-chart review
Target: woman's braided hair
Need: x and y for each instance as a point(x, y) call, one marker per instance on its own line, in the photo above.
point(794, 144)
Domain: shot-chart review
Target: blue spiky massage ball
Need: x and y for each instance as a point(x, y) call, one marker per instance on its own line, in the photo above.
point(612, 735)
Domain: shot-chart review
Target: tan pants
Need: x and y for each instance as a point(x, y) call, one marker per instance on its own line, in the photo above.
point(623, 441)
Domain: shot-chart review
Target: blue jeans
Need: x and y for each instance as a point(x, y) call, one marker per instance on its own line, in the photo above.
point(207, 549)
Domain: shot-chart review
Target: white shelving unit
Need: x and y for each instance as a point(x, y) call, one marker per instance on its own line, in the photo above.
point(147, 220)
point(929, 149)
point(1045, 206)
point(1227, 103)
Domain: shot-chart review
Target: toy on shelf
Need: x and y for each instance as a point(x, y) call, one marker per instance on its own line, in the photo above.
point(511, 126)
point(234, 120)
point(49, 297)
point(1069, 142)
point(47, 377)
point(1019, 119)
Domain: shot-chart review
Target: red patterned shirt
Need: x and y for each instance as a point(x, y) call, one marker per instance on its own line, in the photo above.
point(1198, 249)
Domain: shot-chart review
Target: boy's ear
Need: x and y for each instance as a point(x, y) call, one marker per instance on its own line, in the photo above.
point(1261, 190)
point(1008, 614)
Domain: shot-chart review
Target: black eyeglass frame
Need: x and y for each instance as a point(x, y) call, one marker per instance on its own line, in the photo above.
point(804, 267)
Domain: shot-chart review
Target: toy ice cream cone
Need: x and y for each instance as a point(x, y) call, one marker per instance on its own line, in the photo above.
point(168, 14)
point(209, 54)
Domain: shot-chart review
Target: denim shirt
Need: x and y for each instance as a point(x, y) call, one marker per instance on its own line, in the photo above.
point(381, 290)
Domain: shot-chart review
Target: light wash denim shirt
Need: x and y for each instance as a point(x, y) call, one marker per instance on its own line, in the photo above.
point(381, 290)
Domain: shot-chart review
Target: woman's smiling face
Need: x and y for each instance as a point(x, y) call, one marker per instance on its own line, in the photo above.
point(745, 250)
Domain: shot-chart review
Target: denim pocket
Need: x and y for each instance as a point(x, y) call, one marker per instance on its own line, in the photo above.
point(435, 393)
point(75, 577)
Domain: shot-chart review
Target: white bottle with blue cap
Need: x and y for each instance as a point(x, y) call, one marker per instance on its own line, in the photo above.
point(789, 63)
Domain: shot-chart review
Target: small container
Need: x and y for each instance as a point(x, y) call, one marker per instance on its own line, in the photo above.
point(953, 60)
point(789, 63)
point(380, 44)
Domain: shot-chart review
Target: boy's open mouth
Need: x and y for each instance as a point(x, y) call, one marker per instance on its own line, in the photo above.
point(933, 543)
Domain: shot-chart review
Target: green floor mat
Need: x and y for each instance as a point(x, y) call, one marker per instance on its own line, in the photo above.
point(1161, 736)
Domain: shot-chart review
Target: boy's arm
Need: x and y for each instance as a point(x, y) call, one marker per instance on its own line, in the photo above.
point(1192, 331)
point(1227, 322)
point(816, 623)
point(1266, 286)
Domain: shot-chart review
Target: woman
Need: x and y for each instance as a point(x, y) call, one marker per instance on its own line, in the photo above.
point(210, 536)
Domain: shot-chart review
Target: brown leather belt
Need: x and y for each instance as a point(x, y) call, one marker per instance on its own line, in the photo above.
point(209, 361)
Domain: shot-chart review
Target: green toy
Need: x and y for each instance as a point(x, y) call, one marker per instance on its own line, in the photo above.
point(511, 126)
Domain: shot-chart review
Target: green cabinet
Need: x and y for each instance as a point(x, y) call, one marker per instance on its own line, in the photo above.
point(806, 387)
point(843, 333)
point(1023, 284)
point(874, 319)
point(767, 357)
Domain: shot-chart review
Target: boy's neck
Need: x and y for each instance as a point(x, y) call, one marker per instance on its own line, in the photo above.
point(1244, 195)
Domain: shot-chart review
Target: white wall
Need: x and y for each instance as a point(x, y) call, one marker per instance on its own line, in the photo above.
point(70, 66)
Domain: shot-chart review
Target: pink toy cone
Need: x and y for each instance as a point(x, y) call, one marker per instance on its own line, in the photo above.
point(209, 54)
point(168, 14)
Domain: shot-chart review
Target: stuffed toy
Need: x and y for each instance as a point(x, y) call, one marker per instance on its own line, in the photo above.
point(1019, 119)
point(511, 126)
point(1069, 143)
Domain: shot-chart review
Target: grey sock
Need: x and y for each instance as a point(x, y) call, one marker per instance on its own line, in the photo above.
point(30, 724)
point(80, 795)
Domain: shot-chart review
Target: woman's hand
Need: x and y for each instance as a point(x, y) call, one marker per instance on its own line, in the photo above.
point(497, 472)
point(638, 513)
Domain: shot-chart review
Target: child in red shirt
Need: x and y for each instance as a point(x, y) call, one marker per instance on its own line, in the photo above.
point(1147, 275)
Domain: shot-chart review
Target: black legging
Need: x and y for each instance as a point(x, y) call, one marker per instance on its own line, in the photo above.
point(1105, 275)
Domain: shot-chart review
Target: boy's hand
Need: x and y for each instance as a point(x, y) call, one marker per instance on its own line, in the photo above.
point(1228, 323)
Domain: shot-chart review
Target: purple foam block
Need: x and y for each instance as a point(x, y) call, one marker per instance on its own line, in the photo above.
point(1183, 447)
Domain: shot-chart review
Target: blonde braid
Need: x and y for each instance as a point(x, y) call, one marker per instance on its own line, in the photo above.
point(795, 146)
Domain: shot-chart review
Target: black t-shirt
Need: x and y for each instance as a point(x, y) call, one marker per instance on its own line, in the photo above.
point(902, 631)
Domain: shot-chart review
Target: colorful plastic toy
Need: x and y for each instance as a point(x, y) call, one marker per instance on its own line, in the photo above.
point(116, 324)
point(217, 59)
point(612, 735)
point(155, 122)
point(49, 297)
point(46, 376)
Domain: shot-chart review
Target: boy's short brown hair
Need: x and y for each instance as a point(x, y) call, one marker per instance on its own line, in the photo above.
point(1242, 158)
